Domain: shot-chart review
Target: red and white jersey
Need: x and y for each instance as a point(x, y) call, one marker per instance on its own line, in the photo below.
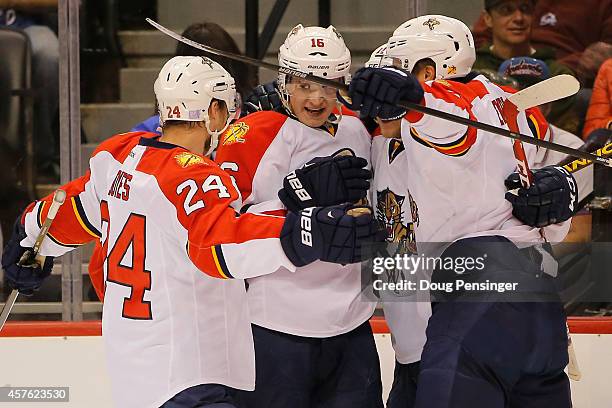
point(320, 299)
point(172, 318)
point(398, 212)
point(456, 173)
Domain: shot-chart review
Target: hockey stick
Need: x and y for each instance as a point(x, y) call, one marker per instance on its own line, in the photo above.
point(573, 370)
point(30, 258)
point(404, 104)
point(601, 146)
point(510, 113)
point(549, 90)
point(539, 94)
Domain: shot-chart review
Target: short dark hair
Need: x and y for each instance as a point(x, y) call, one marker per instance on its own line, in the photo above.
point(215, 36)
point(421, 64)
point(489, 4)
point(190, 124)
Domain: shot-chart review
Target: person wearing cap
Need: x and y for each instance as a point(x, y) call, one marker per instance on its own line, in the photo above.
point(569, 26)
point(510, 23)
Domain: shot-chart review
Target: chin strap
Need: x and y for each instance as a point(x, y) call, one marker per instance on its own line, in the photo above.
point(214, 134)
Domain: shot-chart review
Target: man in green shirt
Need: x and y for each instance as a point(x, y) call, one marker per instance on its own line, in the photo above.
point(510, 22)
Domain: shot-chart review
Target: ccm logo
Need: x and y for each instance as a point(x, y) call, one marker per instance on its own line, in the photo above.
point(306, 226)
point(572, 187)
point(297, 187)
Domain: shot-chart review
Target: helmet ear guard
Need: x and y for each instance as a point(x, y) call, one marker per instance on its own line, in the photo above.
point(186, 87)
point(446, 41)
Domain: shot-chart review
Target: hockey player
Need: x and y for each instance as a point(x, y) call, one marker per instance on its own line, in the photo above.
point(313, 343)
point(397, 211)
point(478, 354)
point(175, 324)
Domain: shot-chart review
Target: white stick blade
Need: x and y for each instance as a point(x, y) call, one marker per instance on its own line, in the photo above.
point(549, 90)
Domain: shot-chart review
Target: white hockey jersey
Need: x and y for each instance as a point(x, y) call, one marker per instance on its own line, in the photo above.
point(171, 318)
point(320, 299)
point(546, 157)
point(456, 173)
point(396, 209)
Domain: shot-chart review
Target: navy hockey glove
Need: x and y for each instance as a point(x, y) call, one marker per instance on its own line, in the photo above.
point(264, 98)
point(326, 181)
point(374, 92)
point(26, 279)
point(330, 234)
point(552, 197)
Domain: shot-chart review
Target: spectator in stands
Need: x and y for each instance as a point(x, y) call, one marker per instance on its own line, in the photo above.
point(30, 17)
point(215, 36)
point(599, 115)
point(569, 26)
point(510, 22)
point(590, 62)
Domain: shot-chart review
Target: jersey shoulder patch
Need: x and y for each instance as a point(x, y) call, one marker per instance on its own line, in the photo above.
point(188, 159)
point(173, 168)
point(168, 164)
point(247, 140)
point(253, 128)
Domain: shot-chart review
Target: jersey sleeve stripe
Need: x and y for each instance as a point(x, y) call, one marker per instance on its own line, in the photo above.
point(457, 148)
point(60, 243)
point(39, 214)
point(534, 126)
point(81, 217)
point(222, 268)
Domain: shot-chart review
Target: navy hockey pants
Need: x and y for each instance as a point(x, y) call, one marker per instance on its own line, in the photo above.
point(203, 396)
point(303, 372)
point(404, 388)
point(496, 354)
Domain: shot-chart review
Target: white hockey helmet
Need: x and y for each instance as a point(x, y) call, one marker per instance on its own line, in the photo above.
point(379, 58)
point(185, 88)
point(447, 41)
point(315, 50)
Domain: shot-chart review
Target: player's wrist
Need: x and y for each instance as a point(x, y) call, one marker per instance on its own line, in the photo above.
point(297, 238)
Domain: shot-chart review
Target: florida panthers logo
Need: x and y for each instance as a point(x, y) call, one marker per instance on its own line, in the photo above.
point(389, 214)
point(235, 134)
point(431, 23)
point(207, 61)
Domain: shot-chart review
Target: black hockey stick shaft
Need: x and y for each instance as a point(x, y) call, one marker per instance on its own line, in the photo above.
point(404, 104)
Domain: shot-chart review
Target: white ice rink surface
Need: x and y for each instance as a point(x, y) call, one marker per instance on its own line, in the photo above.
point(78, 363)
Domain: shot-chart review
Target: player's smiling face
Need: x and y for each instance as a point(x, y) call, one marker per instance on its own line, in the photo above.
point(311, 103)
point(510, 21)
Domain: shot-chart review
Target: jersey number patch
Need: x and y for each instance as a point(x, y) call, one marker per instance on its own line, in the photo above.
point(212, 182)
point(173, 112)
point(317, 42)
point(135, 276)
